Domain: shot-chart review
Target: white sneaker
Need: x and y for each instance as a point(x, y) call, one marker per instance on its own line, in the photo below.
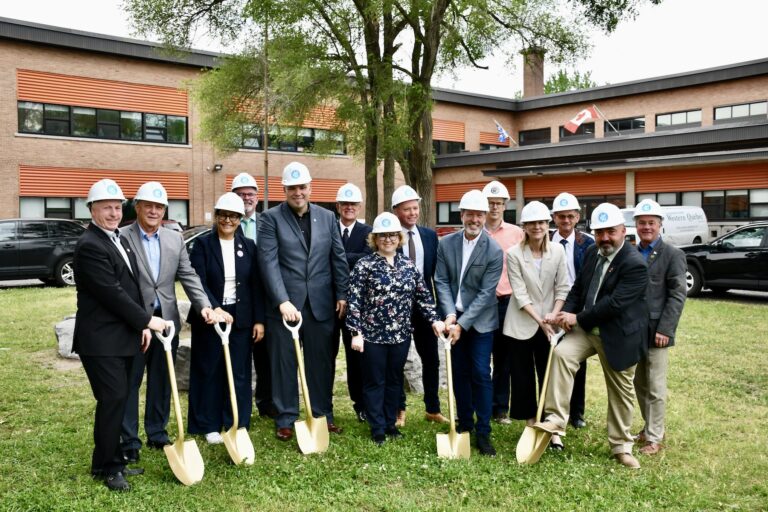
point(214, 438)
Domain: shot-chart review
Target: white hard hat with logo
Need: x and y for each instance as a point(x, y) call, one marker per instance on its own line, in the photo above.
point(296, 173)
point(474, 200)
point(495, 189)
point(606, 215)
point(386, 223)
point(152, 191)
point(230, 202)
point(565, 201)
point(349, 193)
point(244, 180)
point(404, 193)
point(535, 211)
point(104, 189)
point(648, 207)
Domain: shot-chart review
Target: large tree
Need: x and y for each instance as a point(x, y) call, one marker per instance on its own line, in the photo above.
point(383, 55)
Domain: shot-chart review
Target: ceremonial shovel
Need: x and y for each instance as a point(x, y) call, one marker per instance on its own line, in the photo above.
point(451, 445)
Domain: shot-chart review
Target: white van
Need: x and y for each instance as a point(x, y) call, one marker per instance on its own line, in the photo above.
point(682, 225)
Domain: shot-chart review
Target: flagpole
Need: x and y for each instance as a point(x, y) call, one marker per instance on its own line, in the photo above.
point(606, 119)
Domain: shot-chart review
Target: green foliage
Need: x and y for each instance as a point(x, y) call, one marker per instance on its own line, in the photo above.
point(563, 82)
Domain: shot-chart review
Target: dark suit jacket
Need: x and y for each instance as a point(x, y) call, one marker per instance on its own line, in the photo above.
point(208, 262)
point(581, 243)
point(357, 245)
point(429, 241)
point(620, 310)
point(666, 290)
point(293, 272)
point(110, 309)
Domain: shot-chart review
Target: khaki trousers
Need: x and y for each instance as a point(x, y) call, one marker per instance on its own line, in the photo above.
point(576, 347)
point(651, 389)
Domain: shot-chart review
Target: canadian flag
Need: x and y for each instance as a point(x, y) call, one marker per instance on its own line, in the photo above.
point(583, 116)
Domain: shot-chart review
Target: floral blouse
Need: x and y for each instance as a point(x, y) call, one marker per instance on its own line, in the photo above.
point(381, 297)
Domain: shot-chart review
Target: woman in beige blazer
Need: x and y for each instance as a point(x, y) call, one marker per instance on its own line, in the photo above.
point(539, 278)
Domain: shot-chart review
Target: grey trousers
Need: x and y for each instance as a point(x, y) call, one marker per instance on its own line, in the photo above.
point(651, 389)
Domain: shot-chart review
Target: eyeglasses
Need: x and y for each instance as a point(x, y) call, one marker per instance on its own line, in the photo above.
point(496, 204)
point(231, 217)
point(391, 236)
point(244, 195)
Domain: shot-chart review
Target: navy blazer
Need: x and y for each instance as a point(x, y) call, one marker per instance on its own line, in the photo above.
point(620, 310)
point(357, 245)
point(429, 241)
point(208, 262)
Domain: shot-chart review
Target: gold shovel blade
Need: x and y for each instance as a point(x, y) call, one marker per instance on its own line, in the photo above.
point(185, 461)
point(540, 446)
point(526, 445)
point(239, 445)
point(453, 445)
point(312, 435)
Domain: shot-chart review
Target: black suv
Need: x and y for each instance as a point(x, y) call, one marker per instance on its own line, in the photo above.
point(736, 260)
point(38, 249)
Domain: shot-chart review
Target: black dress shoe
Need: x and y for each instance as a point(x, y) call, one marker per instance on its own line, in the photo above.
point(394, 433)
point(117, 482)
point(158, 445)
point(131, 456)
point(379, 439)
point(578, 423)
point(484, 445)
point(268, 412)
point(361, 416)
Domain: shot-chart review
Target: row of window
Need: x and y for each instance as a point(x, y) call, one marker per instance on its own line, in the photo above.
point(296, 140)
point(100, 123)
point(75, 208)
point(718, 204)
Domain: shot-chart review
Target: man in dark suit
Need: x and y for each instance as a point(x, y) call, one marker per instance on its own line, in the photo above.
point(354, 236)
point(565, 211)
point(162, 258)
point(246, 187)
point(111, 326)
point(421, 247)
point(305, 273)
point(666, 298)
point(606, 313)
point(469, 264)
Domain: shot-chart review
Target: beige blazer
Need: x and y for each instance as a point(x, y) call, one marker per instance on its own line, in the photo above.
point(540, 290)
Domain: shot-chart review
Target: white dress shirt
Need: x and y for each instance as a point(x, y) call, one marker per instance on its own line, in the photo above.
point(568, 253)
point(467, 246)
point(419, 247)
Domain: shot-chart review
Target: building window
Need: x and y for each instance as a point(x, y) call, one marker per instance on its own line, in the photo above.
point(445, 147)
point(448, 213)
point(713, 204)
point(672, 120)
point(538, 136)
point(56, 120)
point(294, 140)
point(758, 203)
point(741, 112)
point(663, 198)
point(30, 117)
point(130, 125)
point(690, 199)
point(585, 131)
point(624, 126)
point(83, 122)
point(736, 204)
point(491, 147)
point(154, 127)
point(108, 124)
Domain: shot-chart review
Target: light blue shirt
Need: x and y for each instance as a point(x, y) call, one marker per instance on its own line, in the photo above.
point(152, 250)
point(249, 227)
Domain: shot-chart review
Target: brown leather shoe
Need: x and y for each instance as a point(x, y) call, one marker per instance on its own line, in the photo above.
point(333, 429)
point(284, 433)
point(627, 460)
point(436, 417)
point(400, 421)
point(650, 448)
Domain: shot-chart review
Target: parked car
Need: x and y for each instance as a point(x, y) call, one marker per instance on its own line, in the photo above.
point(191, 234)
point(38, 249)
point(173, 224)
point(738, 259)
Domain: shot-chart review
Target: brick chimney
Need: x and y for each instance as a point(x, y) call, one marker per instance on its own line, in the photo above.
point(533, 72)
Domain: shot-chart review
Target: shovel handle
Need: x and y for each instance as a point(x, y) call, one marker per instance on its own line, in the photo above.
point(556, 337)
point(167, 339)
point(223, 333)
point(293, 328)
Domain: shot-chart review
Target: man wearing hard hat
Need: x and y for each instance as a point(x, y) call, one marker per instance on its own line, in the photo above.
point(305, 273)
point(245, 186)
point(606, 313)
point(162, 258)
point(565, 210)
point(469, 264)
point(666, 297)
point(421, 247)
point(506, 235)
point(111, 326)
point(354, 236)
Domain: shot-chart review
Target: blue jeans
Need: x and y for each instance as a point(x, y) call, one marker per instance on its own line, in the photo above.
point(471, 358)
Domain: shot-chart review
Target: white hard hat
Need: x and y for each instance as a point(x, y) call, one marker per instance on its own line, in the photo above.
point(230, 202)
point(386, 223)
point(495, 189)
point(474, 200)
point(349, 193)
point(606, 215)
point(153, 192)
point(244, 180)
point(104, 189)
point(402, 194)
point(534, 211)
point(648, 207)
point(296, 173)
point(565, 201)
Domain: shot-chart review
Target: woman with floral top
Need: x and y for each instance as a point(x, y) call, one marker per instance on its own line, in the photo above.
point(383, 288)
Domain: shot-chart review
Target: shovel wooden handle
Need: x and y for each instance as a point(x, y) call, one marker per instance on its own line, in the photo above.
point(545, 383)
point(449, 377)
point(167, 340)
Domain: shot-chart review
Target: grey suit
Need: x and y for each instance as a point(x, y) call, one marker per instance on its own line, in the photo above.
point(666, 297)
point(174, 263)
point(312, 278)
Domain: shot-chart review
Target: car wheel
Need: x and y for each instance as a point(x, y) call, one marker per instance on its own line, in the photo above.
point(64, 274)
point(697, 240)
point(693, 281)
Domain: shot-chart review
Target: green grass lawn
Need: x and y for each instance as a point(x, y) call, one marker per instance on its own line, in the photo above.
point(715, 459)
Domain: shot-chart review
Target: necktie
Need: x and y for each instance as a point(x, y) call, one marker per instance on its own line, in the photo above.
point(411, 247)
point(345, 236)
point(121, 248)
point(563, 242)
point(594, 284)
